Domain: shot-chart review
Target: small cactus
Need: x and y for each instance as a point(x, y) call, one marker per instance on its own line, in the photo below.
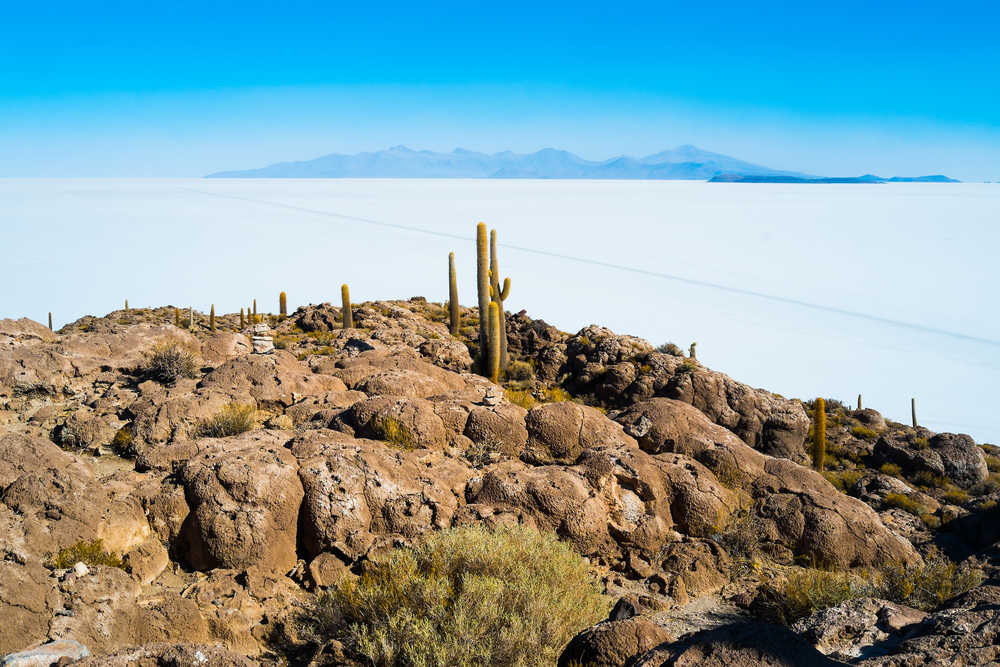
point(211, 318)
point(494, 341)
point(455, 317)
point(347, 315)
point(819, 434)
point(50, 322)
point(483, 288)
point(691, 351)
point(913, 411)
point(283, 305)
point(243, 324)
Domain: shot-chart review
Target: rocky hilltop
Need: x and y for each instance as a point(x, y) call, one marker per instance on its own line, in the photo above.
point(168, 496)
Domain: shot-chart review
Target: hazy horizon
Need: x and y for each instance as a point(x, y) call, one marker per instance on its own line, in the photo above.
point(875, 296)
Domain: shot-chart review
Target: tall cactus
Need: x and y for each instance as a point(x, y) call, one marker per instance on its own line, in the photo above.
point(859, 402)
point(126, 308)
point(177, 317)
point(283, 305)
point(483, 289)
point(211, 318)
point(255, 311)
point(499, 295)
point(913, 411)
point(346, 315)
point(494, 341)
point(190, 317)
point(454, 324)
point(691, 351)
point(819, 434)
point(50, 322)
point(243, 324)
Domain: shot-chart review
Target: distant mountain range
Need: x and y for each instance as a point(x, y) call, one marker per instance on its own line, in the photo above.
point(684, 162)
point(681, 163)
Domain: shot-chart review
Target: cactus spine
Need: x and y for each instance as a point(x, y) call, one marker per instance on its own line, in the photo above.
point(483, 288)
point(50, 322)
point(211, 318)
point(283, 305)
point(913, 411)
point(347, 315)
point(243, 323)
point(819, 434)
point(494, 341)
point(691, 351)
point(499, 295)
point(453, 295)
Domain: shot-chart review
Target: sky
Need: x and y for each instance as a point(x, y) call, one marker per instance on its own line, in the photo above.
point(188, 88)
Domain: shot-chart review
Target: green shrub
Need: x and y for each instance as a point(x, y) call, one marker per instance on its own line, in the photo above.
point(864, 433)
point(394, 432)
point(520, 371)
point(671, 349)
point(810, 590)
point(891, 469)
point(522, 397)
point(88, 553)
point(465, 596)
point(168, 362)
point(843, 480)
point(903, 502)
point(927, 586)
point(930, 480)
point(956, 496)
point(234, 419)
point(123, 444)
point(993, 463)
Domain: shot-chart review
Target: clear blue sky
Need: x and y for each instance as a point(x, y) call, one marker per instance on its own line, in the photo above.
point(186, 88)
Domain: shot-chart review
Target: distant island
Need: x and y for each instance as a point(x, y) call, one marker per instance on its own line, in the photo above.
point(681, 163)
point(867, 178)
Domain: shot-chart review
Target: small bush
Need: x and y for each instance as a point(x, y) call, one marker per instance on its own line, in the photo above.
point(741, 538)
point(810, 590)
point(520, 371)
point(123, 444)
point(558, 395)
point(903, 502)
point(864, 433)
point(465, 596)
point(169, 362)
point(988, 485)
point(395, 433)
point(930, 480)
point(891, 469)
point(482, 453)
point(843, 480)
point(522, 397)
point(993, 463)
point(88, 553)
point(927, 586)
point(956, 496)
point(234, 419)
point(671, 349)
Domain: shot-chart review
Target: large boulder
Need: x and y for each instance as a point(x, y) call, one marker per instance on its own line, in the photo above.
point(407, 423)
point(244, 493)
point(360, 494)
point(949, 455)
point(613, 642)
point(560, 432)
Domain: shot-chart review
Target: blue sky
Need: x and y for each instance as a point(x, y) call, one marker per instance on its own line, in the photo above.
point(185, 88)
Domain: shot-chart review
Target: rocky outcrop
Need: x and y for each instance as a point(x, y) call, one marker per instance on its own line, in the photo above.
point(800, 513)
point(621, 370)
point(744, 644)
point(851, 629)
point(615, 641)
